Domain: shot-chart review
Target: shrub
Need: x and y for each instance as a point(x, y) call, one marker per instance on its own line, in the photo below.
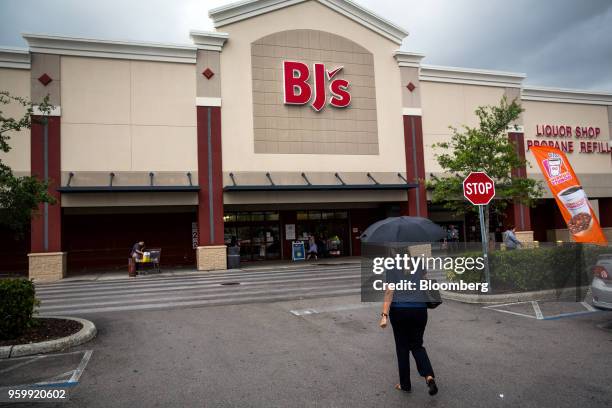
point(17, 304)
point(550, 267)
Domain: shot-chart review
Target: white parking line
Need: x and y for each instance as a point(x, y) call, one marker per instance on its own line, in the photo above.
point(304, 312)
point(27, 361)
point(537, 310)
point(513, 313)
point(588, 307)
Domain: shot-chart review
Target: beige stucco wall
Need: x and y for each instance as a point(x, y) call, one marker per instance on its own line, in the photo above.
point(237, 106)
point(446, 104)
point(569, 114)
point(17, 82)
point(120, 115)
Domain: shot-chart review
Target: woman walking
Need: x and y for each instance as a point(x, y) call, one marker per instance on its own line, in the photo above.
point(408, 315)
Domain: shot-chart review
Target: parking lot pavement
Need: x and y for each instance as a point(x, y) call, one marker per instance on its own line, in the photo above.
point(266, 355)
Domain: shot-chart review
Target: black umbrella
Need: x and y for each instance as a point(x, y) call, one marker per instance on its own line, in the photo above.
point(403, 229)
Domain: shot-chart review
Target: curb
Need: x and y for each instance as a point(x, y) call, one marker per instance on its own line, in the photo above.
point(87, 332)
point(548, 294)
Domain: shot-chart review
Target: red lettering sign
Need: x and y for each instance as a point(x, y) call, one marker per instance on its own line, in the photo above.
point(298, 91)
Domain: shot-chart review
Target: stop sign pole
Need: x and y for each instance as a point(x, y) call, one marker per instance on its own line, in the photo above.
point(479, 189)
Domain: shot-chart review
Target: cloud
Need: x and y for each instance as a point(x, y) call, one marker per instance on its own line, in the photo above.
point(562, 43)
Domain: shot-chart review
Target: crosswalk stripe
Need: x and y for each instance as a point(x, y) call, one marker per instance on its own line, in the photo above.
point(189, 276)
point(201, 290)
point(161, 281)
point(192, 289)
point(209, 302)
point(237, 295)
point(182, 285)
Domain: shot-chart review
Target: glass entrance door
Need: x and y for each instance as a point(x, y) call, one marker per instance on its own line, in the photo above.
point(257, 233)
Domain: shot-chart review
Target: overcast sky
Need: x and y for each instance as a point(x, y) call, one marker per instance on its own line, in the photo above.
point(559, 43)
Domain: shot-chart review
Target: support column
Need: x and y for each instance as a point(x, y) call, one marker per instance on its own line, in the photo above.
point(47, 262)
point(211, 252)
point(415, 165)
point(520, 212)
point(410, 64)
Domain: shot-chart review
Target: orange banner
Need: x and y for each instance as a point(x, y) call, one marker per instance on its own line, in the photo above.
point(571, 198)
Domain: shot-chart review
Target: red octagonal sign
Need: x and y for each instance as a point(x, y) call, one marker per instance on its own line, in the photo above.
point(478, 188)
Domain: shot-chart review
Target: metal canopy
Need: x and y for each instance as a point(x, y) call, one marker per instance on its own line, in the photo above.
point(320, 187)
point(309, 186)
point(127, 189)
point(111, 188)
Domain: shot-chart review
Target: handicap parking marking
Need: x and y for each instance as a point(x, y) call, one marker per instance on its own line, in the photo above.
point(538, 314)
point(42, 371)
point(573, 314)
point(496, 308)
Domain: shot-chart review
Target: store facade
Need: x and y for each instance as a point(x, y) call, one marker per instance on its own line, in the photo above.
point(292, 119)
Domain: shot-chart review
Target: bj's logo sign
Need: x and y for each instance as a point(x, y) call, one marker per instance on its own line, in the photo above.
point(299, 92)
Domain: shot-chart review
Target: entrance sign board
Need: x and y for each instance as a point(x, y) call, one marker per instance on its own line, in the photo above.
point(194, 235)
point(297, 90)
point(297, 251)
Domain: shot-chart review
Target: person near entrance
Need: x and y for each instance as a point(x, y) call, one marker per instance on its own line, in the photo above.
point(453, 237)
point(510, 240)
point(137, 250)
point(312, 248)
point(407, 311)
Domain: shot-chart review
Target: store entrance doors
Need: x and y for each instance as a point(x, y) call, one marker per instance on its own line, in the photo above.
point(258, 234)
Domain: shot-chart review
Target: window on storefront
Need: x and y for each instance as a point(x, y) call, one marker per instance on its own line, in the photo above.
point(258, 234)
point(329, 228)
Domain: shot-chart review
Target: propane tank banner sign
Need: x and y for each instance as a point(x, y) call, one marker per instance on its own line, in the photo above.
point(571, 198)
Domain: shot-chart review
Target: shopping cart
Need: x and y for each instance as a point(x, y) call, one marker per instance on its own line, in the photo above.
point(150, 257)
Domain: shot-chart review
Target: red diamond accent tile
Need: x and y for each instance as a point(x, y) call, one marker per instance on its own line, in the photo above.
point(410, 86)
point(45, 79)
point(208, 73)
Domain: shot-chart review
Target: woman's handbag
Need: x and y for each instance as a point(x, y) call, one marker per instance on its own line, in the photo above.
point(434, 299)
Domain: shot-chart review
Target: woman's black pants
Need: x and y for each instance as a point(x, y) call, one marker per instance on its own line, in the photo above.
point(408, 327)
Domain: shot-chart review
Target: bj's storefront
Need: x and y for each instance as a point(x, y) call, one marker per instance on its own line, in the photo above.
point(290, 120)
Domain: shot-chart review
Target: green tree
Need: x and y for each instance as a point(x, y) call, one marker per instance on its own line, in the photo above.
point(19, 196)
point(484, 148)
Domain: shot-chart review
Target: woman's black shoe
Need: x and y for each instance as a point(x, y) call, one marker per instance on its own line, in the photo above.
point(400, 388)
point(433, 388)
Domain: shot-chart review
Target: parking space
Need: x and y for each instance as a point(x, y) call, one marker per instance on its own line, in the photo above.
point(60, 371)
point(545, 310)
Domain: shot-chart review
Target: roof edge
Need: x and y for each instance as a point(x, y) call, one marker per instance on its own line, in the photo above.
point(408, 59)
point(13, 57)
point(243, 10)
point(91, 47)
point(564, 95)
point(208, 40)
point(470, 76)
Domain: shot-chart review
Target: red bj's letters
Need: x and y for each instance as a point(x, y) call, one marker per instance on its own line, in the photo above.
point(298, 91)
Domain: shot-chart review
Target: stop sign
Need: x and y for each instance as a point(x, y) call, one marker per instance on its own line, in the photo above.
point(478, 188)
